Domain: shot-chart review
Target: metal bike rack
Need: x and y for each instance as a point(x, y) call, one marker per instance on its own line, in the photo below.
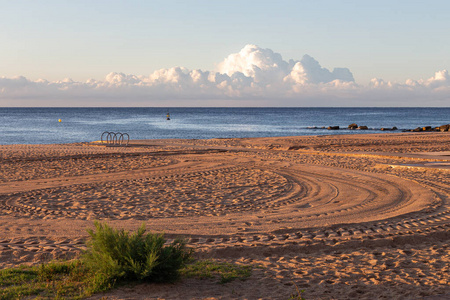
point(115, 138)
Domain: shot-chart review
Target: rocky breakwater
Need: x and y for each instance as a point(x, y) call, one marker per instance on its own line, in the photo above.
point(388, 129)
point(351, 127)
point(355, 126)
point(441, 128)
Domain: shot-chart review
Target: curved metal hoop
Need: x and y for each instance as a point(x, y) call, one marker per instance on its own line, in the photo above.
point(106, 132)
point(115, 138)
point(128, 138)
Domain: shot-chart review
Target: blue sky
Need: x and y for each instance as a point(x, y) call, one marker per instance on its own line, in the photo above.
point(53, 40)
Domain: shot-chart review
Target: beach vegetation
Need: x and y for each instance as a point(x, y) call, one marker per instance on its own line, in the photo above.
point(74, 279)
point(298, 294)
point(118, 255)
point(225, 272)
point(53, 280)
point(113, 258)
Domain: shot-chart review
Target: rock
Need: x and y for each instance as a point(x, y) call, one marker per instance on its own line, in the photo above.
point(444, 128)
point(353, 126)
point(333, 127)
point(430, 128)
point(363, 127)
point(390, 129)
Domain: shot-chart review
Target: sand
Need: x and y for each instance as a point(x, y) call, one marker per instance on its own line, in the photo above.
point(342, 217)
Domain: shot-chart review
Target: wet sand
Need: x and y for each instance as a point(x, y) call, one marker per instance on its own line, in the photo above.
point(342, 217)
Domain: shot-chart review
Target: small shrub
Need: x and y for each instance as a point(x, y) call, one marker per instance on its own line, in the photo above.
point(118, 255)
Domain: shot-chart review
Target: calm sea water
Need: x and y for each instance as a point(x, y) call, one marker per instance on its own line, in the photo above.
point(41, 126)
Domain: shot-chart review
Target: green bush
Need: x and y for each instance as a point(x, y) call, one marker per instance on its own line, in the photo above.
point(118, 255)
point(113, 256)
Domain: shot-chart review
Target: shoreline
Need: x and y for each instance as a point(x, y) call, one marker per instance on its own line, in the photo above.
point(341, 216)
point(348, 132)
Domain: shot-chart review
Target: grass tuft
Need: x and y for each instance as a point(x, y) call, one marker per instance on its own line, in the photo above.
point(298, 294)
point(58, 280)
point(210, 269)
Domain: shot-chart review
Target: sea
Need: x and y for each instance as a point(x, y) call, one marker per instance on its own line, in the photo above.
point(73, 125)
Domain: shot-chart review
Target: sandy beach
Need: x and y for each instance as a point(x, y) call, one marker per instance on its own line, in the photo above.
point(341, 217)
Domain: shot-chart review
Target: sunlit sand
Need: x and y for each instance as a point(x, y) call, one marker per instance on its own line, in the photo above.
point(342, 217)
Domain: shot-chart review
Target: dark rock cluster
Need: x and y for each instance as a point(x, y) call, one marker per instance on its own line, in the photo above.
point(354, 126)
point(441, 128)
point(384, 129)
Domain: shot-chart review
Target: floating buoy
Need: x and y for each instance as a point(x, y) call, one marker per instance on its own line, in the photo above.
point(59, 120)
point(168, 116)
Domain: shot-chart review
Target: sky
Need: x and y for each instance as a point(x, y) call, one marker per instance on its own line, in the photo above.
point(224, 53)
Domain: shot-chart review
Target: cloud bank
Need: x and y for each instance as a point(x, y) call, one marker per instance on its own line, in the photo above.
point(252, 77)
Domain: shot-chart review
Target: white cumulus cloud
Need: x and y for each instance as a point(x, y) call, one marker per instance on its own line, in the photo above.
point(251, 77)
point(308, 70)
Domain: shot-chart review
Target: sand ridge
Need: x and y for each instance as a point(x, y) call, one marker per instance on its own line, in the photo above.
point(344, 217)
